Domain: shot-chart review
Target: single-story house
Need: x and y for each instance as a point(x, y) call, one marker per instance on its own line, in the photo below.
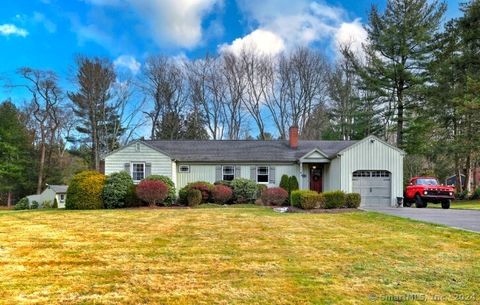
point(51, 193)
point(370, 166)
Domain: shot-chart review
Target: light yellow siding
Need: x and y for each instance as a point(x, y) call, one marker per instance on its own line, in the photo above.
point(206, 172)
point(161, 164)
point(371, 154)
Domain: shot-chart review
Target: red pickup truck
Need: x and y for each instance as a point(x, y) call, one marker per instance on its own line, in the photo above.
point(421, 190)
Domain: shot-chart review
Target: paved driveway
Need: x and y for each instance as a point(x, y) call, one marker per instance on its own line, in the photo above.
point(460, 219)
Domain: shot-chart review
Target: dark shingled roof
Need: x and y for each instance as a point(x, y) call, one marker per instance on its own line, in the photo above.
point(243, 150)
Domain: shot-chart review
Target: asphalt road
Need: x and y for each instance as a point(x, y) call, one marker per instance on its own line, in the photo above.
point(460, 219)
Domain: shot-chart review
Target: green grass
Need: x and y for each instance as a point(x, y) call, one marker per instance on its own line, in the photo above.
point(462, 204)
point(244, 255)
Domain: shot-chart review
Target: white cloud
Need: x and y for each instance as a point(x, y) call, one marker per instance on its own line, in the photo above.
point(128, 62)
point(40, 18)
point(260, 40)
point(172, 21)
point(351, 34)
point(295, 23)
point(11, 29)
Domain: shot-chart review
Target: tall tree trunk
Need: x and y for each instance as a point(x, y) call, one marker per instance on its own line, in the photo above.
point(458, 173)
point(9, 199)
point(41, 167)
point(400, 106)
point(468, 173)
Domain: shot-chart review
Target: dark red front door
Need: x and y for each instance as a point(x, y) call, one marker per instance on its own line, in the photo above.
point(316, 178)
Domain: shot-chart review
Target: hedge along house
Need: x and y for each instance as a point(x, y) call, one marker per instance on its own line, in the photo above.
point(370, 166)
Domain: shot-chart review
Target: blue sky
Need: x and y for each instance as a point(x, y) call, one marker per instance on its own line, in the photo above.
point(47, 34)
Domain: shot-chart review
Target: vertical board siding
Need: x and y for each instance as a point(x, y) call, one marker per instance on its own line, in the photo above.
point(373, 156)
point(161, 164)
point(206, 172)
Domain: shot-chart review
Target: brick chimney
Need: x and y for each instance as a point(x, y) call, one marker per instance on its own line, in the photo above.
point(293, 137)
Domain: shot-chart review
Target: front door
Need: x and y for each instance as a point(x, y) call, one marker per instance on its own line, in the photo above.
point(316, 178)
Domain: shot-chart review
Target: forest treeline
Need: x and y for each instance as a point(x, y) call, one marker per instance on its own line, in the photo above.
point(415, 83)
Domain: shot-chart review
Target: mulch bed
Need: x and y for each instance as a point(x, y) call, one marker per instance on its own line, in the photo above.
point(322, 211)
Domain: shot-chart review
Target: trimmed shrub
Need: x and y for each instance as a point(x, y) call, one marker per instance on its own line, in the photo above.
point(292, 184)
point(171, 187)
point(285, 183)
point(274, 196)
point(260, 189)
point(116, 188)
point(334, 200)
point(312, 200)
point(475, 194)
point(307, 199)
point(244, 190)
point(22, 204)
point(204, 187)
point(85, 191)
point(55, 203)
point(152, 191)
point(194, 197)
point(221, 194)
point(352, 200)
point(34, 205)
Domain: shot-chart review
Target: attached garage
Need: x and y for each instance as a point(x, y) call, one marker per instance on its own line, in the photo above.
point(374, 169)
point(375, 187)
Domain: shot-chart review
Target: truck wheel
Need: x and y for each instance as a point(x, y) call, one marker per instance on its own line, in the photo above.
point(419, 202)
point(446, 204)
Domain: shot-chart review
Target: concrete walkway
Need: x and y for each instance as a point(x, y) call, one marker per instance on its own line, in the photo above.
point(455, 218)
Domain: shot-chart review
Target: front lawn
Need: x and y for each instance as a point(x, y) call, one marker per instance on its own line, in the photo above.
point(245, 255)
point(461, 204)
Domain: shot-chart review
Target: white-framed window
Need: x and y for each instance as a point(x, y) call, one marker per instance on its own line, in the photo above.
point(62, 198)
point(262, 174)
point(184, 169)
point(137, 147)
point(138, 171)
point(228, 172)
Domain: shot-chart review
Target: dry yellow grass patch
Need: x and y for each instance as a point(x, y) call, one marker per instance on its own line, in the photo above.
point(231, 256)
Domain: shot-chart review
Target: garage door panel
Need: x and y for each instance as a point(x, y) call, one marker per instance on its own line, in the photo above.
point(373, 186)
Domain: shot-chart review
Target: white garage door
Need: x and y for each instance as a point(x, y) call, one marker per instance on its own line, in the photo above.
point(373, 186)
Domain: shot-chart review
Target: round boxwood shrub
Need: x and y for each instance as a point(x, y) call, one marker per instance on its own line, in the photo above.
point(194, 197)
point(274, 196)
point(352, 200)
point(312, 200)
point(334, 200)
point(221, 194)
point(85, 191)
point(152, 191)
point(171, 187)
point(204, 187)
point(117, 186)
point(22, 204)
point(244, 190)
